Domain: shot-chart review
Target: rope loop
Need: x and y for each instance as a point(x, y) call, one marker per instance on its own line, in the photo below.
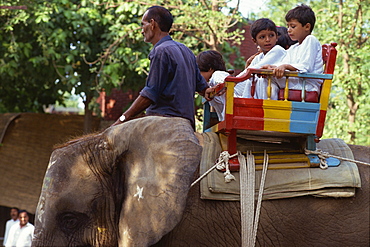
point(223, 163)
point(323, 155)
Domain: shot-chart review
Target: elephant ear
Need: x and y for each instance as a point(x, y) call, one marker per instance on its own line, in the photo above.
point(160, 157)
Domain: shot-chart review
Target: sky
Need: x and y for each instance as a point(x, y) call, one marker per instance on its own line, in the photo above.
point(248, 6)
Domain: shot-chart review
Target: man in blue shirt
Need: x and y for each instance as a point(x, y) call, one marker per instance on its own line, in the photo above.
point(174, 76)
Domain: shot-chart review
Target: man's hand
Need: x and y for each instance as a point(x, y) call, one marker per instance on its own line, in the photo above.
point(209, 93)
point(139, 105)
point(117, 122)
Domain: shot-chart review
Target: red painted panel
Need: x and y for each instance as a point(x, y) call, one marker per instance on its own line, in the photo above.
point(248, 114)
point(249, 123)
point(321, 123)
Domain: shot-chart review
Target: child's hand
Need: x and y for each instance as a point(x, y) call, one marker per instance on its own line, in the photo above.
point(279, 71)
point(250, 59)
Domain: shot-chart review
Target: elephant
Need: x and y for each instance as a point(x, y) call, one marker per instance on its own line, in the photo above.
point(130, 186)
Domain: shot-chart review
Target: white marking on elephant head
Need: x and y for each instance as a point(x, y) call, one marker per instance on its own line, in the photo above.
point(40, 209)
point(52, 162)
point(139, 193)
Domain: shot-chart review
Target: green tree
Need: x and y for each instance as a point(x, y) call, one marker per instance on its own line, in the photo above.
point(22, 83)
point(87, 46)
point(347, 23)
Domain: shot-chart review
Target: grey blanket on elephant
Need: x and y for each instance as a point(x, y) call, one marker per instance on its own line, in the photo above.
point(338, 181)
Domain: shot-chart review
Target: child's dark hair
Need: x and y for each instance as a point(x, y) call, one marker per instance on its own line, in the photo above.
point(210, 59)
point(283, 38)
point(303, 14)
point(262, 24)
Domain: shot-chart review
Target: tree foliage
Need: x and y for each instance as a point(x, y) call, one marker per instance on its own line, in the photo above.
point(85, 46)
point(22, 84)
point(346, 23)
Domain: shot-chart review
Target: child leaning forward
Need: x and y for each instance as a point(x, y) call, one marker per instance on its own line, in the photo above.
point(212, 67)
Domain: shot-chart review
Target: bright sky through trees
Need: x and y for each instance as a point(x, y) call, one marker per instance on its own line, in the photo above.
point(246, 7)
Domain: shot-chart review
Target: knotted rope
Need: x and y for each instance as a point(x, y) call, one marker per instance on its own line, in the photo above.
point(221, 163)
point(249, 216)
point(323, 155)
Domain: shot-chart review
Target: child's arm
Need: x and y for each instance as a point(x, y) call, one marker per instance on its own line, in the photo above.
point(305, 59)
point(278, 71)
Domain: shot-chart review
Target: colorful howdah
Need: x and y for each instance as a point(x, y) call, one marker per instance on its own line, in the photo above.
point(296, 114)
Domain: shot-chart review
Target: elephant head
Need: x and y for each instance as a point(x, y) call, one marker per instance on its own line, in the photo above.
point(126, 186)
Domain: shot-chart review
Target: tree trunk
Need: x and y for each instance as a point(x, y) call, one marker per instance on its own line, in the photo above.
point(353, 107)
point(88, 115)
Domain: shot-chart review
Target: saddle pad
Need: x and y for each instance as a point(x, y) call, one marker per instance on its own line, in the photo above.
point(338, 181)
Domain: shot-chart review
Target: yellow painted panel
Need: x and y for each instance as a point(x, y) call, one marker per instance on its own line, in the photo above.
point(280, 125)
point(277, 115)
point(230, 97)
point(325, 93)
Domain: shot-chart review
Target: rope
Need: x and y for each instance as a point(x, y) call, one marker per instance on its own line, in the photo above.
point(246, 205)
point(260, 193)
point(204, 174)
point(221, 163)
point(322, 155)
point(249, 216)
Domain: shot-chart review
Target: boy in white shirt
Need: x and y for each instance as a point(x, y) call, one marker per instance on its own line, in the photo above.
point(305, 56)
point(264, 35)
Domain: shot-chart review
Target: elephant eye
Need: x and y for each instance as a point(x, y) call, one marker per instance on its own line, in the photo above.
point(70, 221)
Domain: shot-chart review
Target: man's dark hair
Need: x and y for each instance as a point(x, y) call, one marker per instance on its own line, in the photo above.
point(23, 211)
point(262, 24)
point(303, 14)
point(162, 16)
point(210, 59)
point(15, 208)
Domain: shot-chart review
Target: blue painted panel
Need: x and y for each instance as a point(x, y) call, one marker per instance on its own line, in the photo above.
point(316, 76)
point(304, 117)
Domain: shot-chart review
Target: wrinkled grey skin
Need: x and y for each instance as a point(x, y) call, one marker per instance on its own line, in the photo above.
point(126, 186)
point(91, 197)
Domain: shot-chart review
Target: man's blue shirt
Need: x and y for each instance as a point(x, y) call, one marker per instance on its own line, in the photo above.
point(173, 79)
